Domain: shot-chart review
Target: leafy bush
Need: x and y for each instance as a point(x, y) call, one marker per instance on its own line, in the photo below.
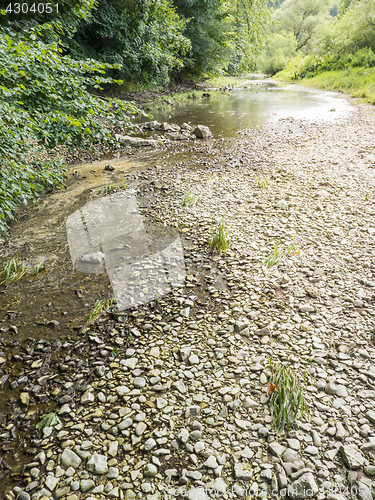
point(45, 100)
point(143, 36)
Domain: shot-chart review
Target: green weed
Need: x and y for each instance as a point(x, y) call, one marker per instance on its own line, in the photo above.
point(219, 241)
point(13, 270)
point(190, 200)
point(99, 307)
point(107, 189)
point(279, 253)
point(286, 396)
point(40, 267)
point(262, 183)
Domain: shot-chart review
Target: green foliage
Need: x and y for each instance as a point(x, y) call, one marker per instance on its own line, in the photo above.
point(286, 397)
point(190, 200)
point(251, 19)
point(302, 18)
point(262, 182)
point(353, 30)
point(143, 36)
point(13, 270)
point(40, 267)
point(219, 241)
point(63, 16)
point(210, 28)
point(45, 101)
point(295, 27)
point(312, 65)
point(280, 49)
point(278, 254)
point(99, 307)
point(108, 188)
point(348, 42)
point(48, 420)
point(358, 82)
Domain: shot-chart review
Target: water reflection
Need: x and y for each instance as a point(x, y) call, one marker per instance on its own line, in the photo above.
point(261, 104)
point(143, 261)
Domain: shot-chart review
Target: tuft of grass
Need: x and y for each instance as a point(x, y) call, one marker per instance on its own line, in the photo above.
point(219, 241)
point(262, 183)
point(99, 307)
point(107, 189)
point(124, 184)
point(13, 270)
point(39, 268)
point(279, 253)
point(286, 396)
point(190, 200)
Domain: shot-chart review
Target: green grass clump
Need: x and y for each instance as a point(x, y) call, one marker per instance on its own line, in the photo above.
point(190, 200)
point(13, 270)
point(99, 307)
point(107, 189)
point(40, 267)
point(286, 397)
point(262, 183)
point(219, 241)
point(278, 254)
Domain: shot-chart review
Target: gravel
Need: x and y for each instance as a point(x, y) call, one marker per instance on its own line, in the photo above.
point(182, 409)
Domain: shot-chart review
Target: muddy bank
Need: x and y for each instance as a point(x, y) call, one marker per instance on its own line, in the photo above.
point(173, 394)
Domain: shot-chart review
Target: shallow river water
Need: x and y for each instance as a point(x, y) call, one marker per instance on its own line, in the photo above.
point(262, 103)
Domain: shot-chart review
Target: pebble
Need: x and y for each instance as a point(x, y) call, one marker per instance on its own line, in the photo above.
point(184, 400)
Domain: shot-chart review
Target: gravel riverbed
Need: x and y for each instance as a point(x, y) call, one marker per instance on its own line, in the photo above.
point(170, 399)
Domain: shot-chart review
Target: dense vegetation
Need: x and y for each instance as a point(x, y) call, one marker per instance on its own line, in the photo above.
point(156, 39)
point(331, 45)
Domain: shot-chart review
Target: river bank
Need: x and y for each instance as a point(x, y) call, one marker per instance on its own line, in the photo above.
point(170, 398)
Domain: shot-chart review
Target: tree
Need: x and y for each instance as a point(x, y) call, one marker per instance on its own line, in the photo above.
point(301, 18)
point(143, 36)
point(251, 21)
point(354, 30)
point(280, 49)
point(211, 30)
point(63, 16)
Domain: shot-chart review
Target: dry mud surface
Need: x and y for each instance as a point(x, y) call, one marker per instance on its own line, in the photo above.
point(169, 400)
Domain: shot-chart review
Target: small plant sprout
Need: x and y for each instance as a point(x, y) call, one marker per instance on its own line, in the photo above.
point(99, 307)
point(48, 420)
point(40, 267)
point(219, 241)
point(124, 184)
point(13, 270)
point(107, 189)
point(262, 183)
point(190, 200)
point(279, 253)
point(285, 389)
